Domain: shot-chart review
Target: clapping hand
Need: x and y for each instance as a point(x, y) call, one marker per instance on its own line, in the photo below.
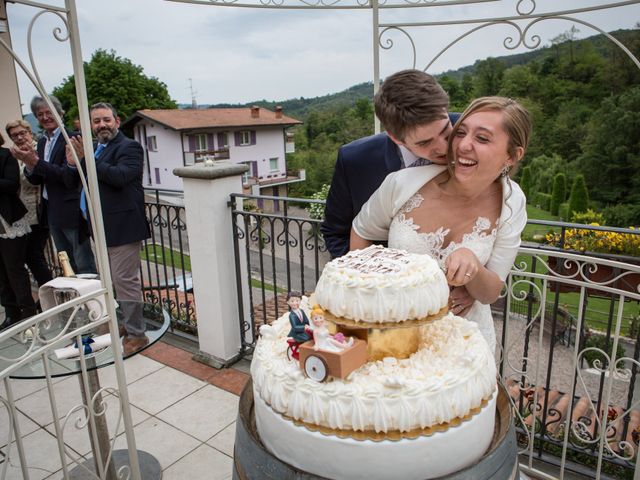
point(76, 144)
point(462, 266)
point(26, 154)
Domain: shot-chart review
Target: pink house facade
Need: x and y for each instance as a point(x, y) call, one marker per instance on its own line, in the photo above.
point(253, 136)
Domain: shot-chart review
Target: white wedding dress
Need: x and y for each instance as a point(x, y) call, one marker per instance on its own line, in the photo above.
point(384, 217)
point(404, 235)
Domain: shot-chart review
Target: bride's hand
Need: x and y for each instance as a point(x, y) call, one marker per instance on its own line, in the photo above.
point(462, 266)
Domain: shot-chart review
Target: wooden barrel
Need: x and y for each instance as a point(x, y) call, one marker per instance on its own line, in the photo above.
point(252, 461)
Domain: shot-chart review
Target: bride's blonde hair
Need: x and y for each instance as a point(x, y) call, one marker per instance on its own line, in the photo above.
point(317, 310)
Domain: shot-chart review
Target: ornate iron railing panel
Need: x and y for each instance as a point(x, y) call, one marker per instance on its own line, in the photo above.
point(166, 265)
point(573, 392)
point(284, 250)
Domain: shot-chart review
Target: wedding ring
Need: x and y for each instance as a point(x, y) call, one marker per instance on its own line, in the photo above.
point(467, 275)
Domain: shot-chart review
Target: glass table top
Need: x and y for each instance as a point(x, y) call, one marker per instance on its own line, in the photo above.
point(155, 322)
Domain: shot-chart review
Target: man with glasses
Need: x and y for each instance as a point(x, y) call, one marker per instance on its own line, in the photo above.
point(20, 133)
point(45, 165)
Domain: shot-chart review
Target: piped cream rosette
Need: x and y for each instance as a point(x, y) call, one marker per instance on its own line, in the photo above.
point(445, 381)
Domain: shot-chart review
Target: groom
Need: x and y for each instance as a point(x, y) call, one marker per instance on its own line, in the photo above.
point(412, 107)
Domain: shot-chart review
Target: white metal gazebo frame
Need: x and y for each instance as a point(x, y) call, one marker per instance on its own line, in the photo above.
point(523, 18)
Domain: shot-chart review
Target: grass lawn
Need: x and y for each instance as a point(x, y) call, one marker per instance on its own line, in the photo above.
point(157, 254)
point(537, 214)
point(597, 313)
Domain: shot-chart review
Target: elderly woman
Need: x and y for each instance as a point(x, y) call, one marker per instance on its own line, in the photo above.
point(31, 195)
point(15, 287)
point(469, 216)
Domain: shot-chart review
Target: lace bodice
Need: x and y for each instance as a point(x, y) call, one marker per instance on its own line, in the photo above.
point(404, 235)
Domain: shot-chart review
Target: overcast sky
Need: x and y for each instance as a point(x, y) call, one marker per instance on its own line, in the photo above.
point(239, 55)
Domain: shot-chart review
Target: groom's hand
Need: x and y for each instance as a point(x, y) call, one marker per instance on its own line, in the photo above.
point(460, 301)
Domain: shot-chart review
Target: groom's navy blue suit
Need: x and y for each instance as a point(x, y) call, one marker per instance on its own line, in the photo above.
point(361, 167)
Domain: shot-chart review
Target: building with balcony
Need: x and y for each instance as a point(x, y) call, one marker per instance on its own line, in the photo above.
point(253, 136)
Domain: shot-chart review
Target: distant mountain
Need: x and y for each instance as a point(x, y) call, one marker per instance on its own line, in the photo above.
point(300, 107)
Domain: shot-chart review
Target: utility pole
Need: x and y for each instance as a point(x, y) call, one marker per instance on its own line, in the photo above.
point(194, 103)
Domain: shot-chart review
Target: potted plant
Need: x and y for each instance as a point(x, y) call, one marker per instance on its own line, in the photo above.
point(624, 247)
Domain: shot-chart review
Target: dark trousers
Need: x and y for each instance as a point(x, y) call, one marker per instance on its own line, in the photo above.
point(15, 287)
point(77, 247)
point(36, 261)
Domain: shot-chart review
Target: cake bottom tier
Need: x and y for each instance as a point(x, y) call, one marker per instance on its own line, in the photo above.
point(329, 456)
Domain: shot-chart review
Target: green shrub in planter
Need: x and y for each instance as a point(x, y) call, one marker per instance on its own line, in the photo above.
point(600, 341)
point(541, 200)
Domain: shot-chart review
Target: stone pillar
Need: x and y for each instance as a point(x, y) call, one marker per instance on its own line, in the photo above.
point(206, 197)
point(10, 104)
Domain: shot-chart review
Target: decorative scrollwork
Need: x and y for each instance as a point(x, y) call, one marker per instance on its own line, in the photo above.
point(178, 223)
point(388, 44)
point(286, 236)
point(522, 11)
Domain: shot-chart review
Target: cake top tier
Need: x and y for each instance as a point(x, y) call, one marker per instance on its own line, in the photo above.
point(379, 284)
point(375, 260)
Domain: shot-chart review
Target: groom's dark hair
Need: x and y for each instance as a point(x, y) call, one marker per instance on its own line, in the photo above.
point(408, 99)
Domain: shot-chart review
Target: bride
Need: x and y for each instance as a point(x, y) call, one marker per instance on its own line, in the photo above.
point(468, 216)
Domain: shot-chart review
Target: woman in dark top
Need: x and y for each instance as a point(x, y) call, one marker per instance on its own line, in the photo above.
point(15, 286)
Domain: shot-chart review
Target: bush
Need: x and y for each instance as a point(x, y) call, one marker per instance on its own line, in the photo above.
point(579, 197)
point(316, 210)
point(600, 341)
point(525, 182)
point(558, 193)
point(563, 211)
point(588, 218)
point(541, 200)
point(622, 215)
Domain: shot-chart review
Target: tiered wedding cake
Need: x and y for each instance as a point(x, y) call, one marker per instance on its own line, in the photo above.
point(423, 414)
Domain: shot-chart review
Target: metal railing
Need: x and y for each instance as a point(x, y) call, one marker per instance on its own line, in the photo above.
point(568, 366)
point(166, 266)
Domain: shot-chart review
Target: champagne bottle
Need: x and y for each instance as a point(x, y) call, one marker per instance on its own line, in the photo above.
point(67, 271)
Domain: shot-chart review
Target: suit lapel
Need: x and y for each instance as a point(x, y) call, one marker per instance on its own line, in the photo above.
point(391, 156)
point(57, 148)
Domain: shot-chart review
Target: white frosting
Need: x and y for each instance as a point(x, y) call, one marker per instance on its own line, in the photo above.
point(380, 284)
point(445, 379)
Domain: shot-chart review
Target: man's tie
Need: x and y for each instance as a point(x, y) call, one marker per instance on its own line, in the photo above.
point(420, 162)
point(83, 197)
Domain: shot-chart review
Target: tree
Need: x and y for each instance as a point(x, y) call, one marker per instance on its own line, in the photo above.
point(116, 80)
point(558, 193)
point(488, 77)
point(525, 181)
point(579, 197)
point(611, 158)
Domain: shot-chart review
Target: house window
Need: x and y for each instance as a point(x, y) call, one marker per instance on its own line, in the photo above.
point(247, 174)
point(223, 140)
point(245, 137)
point(273, 164)
point(157, 170)
point(152, 143)
point(201, 142)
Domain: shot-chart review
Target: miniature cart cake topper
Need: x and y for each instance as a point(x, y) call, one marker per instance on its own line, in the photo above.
point(329, 355)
